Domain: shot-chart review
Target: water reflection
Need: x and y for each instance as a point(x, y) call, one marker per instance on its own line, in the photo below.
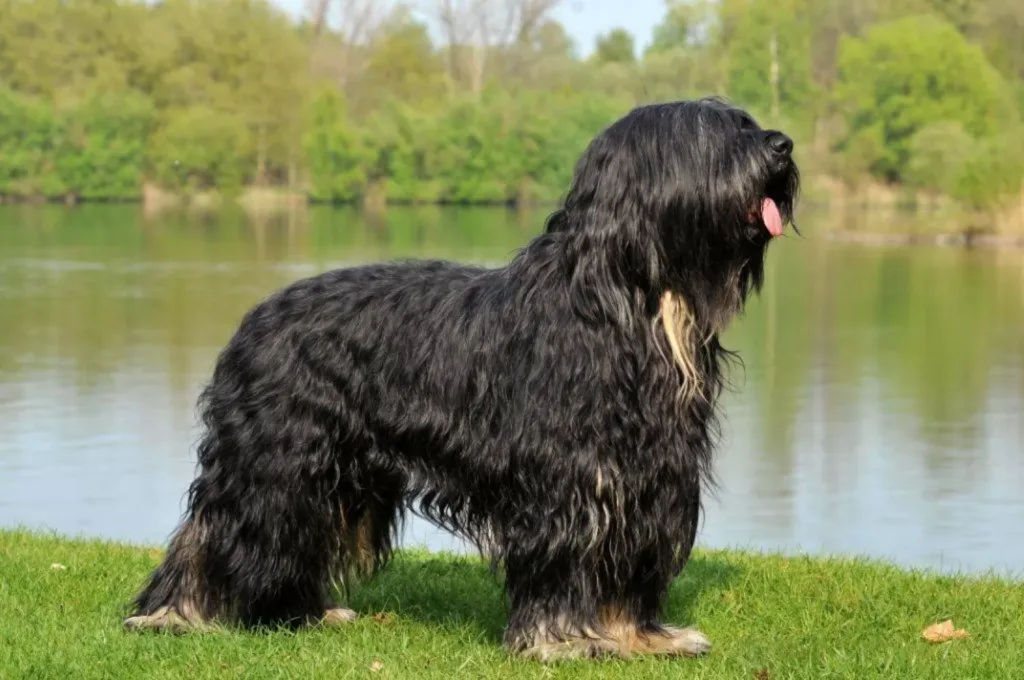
point(879, 412)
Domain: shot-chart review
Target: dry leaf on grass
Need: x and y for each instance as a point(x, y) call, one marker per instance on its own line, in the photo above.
point(376, 666)
point(762, 674)
point(943, 632)
point(384, 618)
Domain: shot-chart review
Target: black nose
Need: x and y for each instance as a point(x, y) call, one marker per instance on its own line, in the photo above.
point(780, 143)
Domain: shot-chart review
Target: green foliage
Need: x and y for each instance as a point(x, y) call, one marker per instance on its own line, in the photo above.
point(103, 153)
point(616, 46)
point(686, 24)
point(94, 149)
point(982, 173)
point(201, 148)
point(474, 159)
point(335, 154)
point(501, 149)
point(905, 75)
point(771, 32)
point(403, 64)
point(993, 173)
point(937, 153)
point(102, 97)
point(29, 135)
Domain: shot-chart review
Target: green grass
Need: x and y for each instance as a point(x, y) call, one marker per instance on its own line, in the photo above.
point(770, 618)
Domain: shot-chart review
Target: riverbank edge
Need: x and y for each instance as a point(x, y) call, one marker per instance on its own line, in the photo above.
point(966, 239)
point(950, 225)
point(441, 616)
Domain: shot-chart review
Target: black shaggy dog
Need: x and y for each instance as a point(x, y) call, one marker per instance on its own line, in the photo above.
point(559, 411)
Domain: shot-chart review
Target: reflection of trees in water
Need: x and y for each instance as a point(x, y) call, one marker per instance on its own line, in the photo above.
point(934, 335)
point(89, 285)
point(928, 333)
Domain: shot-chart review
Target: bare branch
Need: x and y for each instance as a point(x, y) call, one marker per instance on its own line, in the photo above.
point(356, 19)
point(474, 29)
point(353, 23)
point(530, 14)
point(317, 9)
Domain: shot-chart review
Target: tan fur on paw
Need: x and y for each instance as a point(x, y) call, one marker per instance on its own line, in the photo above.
point(572, 648)
point(165, 619)
point(672, 641)
point(618, 636)
point(338, 616)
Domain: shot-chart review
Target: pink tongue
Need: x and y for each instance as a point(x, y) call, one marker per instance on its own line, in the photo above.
point(772, 218)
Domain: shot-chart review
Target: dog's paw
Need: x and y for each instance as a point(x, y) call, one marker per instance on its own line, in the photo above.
point(569, 649)
point(338, 616)
point(682, 641)
point(166, 619)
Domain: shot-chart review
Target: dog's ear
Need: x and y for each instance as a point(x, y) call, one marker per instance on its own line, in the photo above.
point(612, 262)
point(612, 241)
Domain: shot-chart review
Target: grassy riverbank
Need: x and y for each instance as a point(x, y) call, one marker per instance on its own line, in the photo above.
point(61, 603)
point(871, 214)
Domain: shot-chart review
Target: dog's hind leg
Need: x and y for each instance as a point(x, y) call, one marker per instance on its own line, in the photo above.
point(256, 548)
point(372, 518)
point(263, 533)
point(175, 599)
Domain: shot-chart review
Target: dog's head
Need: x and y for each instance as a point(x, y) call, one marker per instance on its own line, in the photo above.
point(683, 197)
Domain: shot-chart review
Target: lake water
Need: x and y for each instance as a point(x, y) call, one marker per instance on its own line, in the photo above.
point(881, 411)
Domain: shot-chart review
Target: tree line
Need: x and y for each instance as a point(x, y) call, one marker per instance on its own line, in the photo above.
point(489, 101)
